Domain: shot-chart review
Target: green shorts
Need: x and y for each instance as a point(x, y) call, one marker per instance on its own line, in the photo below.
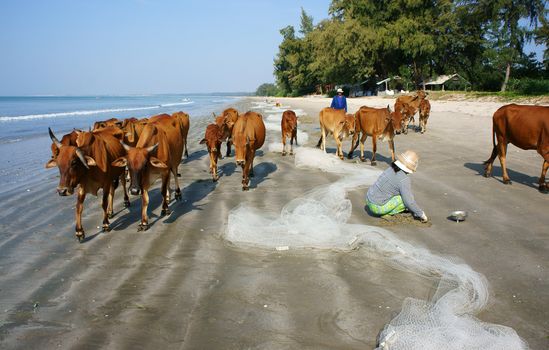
point(393, 206)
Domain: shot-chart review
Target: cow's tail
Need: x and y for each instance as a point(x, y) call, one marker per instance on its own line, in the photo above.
point(494, 149)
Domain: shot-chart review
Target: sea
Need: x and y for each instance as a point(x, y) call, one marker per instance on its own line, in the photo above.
point(24, 122)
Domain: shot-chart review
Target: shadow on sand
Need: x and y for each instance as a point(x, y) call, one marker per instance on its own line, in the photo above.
point(530, 181)
point(193, 193)
point(261, 173)
point(194, 156)
point(134, 214)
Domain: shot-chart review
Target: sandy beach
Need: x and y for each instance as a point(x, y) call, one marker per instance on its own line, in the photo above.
point(181, 285)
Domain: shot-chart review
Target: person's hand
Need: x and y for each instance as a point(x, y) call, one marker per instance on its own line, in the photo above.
point(424, 218)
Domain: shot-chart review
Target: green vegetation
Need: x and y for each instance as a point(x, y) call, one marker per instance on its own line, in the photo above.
point(268, 89)
point(365, 41)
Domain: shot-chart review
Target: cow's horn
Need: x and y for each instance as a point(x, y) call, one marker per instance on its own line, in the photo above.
point(213, 113)
point(54, 139)
point(152, 148)
point(126, 147)
point(80, 155)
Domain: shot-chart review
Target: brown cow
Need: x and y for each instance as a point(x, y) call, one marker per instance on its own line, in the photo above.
point(88, 166)
point(424, 112)
point(226, 121)
point(336, 122)
point(288, 126)
point(157, 154)
point(526, 127)
point(377, 123)
point(106, 123)
point(185, 124)
point(248, 136)
point(411, 106)
point(213, 139)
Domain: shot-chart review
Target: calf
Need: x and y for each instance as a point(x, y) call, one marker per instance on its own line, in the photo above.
point(411, 106)
point(424, 112)
point(377, 123)
point(157, 154)
point(336, 122)
point(226, 122)
point(213, 139)
point(526, 127)
point(289, 129)
point(88, 167)
point(248, 136)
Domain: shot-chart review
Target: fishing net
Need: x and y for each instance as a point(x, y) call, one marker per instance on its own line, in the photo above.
point(319, 220)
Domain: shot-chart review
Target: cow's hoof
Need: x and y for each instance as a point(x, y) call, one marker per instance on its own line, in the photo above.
point(106, 228)
point(245, 188)
point(165, 212)
point(110, 215)
point(252, 174)
point(142, 227)
point(80, 236)
point(178, 175)
point(374, 163)
point(362, 159)
point(127, 203)
point(543, 188)
point(178, 195)
point(283, 153)
point(507, 182)
point(291, 153)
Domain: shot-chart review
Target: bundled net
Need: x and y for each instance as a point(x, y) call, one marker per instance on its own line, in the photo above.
point(319, 220)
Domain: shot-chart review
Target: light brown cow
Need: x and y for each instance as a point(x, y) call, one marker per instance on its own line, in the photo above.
point(213, 139)
point(157, 154)
point(88, 167)
point(526, 127)
point(132, 128)
point(411, 104)
point(185, 125)
point(335, 122)
point(248, 136)
point(288, 126)
point(424, 112)
point(226, 122)
point(377, 123)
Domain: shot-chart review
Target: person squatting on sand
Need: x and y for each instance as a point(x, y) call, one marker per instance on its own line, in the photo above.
point(339, 101)
point(392, 192)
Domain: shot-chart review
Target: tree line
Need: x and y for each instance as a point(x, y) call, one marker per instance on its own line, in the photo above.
point(364, 41)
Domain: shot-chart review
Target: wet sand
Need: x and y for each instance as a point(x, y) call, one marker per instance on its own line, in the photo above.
point(179, 285)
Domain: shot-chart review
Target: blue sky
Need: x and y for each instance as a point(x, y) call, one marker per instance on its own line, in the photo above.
point(142, 46)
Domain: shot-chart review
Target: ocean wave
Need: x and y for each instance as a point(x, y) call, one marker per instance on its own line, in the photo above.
point(96, 111)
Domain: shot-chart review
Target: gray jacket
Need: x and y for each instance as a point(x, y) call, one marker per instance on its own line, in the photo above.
point(390, 184)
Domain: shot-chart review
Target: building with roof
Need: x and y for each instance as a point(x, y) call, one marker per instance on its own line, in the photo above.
point(448, 82)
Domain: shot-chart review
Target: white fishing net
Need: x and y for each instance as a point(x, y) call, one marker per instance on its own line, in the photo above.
point(319, 220)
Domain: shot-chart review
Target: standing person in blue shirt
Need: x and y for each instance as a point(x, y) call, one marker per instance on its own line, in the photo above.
point(339, 101)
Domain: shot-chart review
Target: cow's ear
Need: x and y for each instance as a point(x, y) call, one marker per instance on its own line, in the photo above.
point(51, 164)
point(203, 141)
point(90, 161)
point(157, 163)
point(120, 162)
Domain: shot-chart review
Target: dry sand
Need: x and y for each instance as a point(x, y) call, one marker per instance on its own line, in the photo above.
point(180, 286)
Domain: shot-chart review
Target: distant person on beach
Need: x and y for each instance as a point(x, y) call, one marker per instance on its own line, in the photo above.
point(339, 101)
point(392, 192)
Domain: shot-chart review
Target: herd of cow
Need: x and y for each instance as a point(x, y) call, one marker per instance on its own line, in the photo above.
point(151, 148)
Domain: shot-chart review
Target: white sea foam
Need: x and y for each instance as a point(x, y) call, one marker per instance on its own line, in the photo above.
point(320, 220)
point(89, 112)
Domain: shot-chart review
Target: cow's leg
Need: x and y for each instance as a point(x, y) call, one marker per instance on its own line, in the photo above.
point(283, 144)
point(105, 205)
point(392, 148)
point(354, 143)
point(177, 188)
point(323, 139)
point(489, 163)
point(339, 146)
point(165, 190)
point(144, 225)
point(110, 205)
point(79, 208)
point(245, 177)
point(251, 171)
point(542, 185)
point(126, 197)
point(228, 147)
point(362, 140)
point(374, 149)
point(502, 153)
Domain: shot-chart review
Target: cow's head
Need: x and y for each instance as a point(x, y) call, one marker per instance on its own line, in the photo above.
point(229, 119)
point(389, 130)
point(72, 164)
point(212, 140)
point(138, 160)
point(421, 94)
point(399, 117)
point(349, 125)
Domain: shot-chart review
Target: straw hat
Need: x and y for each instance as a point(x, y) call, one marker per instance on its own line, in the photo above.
point(407, 161)
point(339, 90)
